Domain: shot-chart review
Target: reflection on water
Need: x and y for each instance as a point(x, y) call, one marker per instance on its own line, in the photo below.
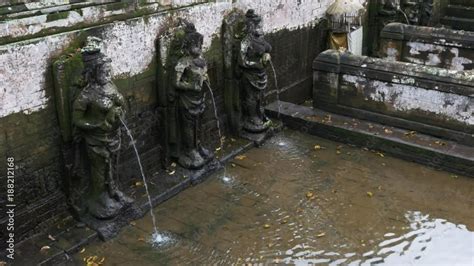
point(428, 241)
point(304, 200)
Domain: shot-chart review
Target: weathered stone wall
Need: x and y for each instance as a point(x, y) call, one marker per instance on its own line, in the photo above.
point(440, 47)
point(30, 40)
point(432, 100)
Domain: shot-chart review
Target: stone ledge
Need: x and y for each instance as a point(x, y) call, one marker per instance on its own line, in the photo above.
point(409, 145)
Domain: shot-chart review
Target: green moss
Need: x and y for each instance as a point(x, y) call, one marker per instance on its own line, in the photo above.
point(117, 6)
point(57, 16)
point(214, 53)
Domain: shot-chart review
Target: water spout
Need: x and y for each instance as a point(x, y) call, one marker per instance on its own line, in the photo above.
point(276, 88)
point(221, 142)
point(156, 235)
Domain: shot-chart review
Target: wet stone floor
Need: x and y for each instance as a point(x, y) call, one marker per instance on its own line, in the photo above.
point(303, 200)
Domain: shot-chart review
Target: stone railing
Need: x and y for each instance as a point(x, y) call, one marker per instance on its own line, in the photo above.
point(440, 47)
point(426, 99)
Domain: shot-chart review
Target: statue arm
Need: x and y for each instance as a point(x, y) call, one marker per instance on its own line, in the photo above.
point(78, 115)
point(179, 82)
point(243, 59)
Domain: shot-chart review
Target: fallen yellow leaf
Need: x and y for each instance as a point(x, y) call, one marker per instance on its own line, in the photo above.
point(317, 147)
point(240, 157)
point(82, 250)
point(370, 194)
point(321, 234)
point(266, 226)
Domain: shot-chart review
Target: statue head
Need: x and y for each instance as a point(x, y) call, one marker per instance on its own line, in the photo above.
point(97, 67)
point(253, 23)
point(193, 40)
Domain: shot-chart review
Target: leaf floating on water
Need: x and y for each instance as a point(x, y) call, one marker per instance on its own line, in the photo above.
point(82, 250)
point(266, 226)
point(370, 194)
point(440, 143)
point(172, 172)
point(240, 157)
point(321, 234)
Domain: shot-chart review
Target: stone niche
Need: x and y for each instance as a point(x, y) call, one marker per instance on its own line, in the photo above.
point(440, 47)
point(426, 99)
point(69, 81)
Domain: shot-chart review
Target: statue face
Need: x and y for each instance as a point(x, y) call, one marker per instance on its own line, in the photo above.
point(104, 73)
point(257, 31)
point(195, 49)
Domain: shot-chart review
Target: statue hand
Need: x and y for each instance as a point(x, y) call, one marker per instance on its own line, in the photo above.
point(267, 57)
point(106, 126)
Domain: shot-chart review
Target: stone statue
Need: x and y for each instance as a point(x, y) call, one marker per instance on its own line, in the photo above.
point(253, 58)
point(189, 81)
point(97, 111)
point(389, 8)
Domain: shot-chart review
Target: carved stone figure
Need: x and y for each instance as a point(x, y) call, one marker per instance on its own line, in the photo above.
point(96, 120)
point(254, 56)
point(189, 81)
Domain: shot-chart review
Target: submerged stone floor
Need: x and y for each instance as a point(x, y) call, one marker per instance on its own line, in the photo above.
point(300, 199)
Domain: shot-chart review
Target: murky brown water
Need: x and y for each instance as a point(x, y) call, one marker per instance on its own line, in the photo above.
point(290, 202)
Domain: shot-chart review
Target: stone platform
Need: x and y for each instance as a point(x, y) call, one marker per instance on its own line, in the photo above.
point(409, 145)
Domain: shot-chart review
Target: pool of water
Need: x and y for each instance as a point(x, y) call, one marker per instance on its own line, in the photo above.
point(303, 200)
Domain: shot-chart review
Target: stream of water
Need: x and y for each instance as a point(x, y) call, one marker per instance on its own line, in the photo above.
point(157, 239)
point(225, 178)
point(276, 88)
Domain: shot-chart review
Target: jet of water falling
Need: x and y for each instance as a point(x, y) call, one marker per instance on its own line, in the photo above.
point(276, 87)
point(221, 143)
point(156, 235)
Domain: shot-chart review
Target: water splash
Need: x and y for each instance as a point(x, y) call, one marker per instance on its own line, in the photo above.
point(162, 240)
point(132, 141)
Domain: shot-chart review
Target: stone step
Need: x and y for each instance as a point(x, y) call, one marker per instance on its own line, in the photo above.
point(462, 2)
point(459, 11)
point(458, 23)
point(405, 144)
